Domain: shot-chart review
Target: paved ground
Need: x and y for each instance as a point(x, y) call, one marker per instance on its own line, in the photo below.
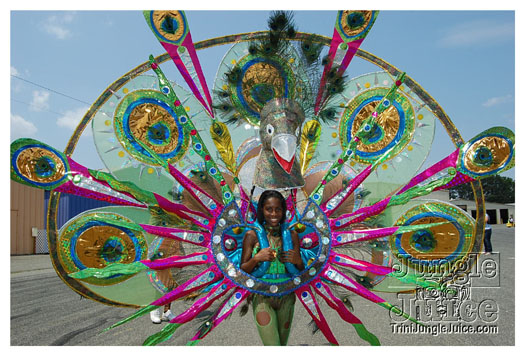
point(44, 311)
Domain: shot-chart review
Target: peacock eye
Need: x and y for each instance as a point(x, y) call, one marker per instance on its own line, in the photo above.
point(269, 129)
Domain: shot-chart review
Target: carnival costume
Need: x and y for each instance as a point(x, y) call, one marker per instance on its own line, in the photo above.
point(340, 149)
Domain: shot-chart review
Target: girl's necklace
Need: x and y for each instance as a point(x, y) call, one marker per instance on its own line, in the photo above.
point(274, 236)
point(273, 231)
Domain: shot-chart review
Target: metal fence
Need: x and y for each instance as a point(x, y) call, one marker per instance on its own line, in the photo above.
point(41, 242)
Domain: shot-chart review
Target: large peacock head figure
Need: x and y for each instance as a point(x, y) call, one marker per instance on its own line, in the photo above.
point(280, 125)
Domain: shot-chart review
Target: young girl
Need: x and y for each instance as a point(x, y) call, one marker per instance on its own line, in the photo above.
point(273, 315)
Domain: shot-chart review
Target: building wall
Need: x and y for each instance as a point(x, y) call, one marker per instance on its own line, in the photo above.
point(498, 213)
point(70, 206)
point(27, 211)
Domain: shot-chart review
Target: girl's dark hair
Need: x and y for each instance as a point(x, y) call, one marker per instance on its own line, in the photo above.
point(267, 194)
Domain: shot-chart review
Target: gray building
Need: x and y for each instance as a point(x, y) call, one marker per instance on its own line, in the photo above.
point(498, 213)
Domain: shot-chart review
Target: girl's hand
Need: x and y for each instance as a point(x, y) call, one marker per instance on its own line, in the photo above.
point(266, 254)
point(291, 256)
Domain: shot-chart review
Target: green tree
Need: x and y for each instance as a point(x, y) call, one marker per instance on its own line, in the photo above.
point(496, 189)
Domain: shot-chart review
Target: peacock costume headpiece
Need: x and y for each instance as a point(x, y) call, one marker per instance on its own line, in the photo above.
point(277, 166)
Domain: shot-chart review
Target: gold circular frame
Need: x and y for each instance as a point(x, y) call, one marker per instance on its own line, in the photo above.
point(430, 102)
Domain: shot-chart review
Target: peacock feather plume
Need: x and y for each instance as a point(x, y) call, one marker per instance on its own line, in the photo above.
point(309, 140)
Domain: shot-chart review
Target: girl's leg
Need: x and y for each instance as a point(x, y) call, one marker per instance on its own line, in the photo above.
point(285, 317)
point(266, 321)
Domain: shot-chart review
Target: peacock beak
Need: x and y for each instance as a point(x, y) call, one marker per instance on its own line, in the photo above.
point(283, 147)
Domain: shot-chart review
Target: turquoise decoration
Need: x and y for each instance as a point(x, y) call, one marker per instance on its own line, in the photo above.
point(287, 246)
point(262, 237)
point(112, 250)
point(260, 270)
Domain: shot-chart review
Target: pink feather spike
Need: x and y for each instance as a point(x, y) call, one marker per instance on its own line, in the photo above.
point(310, 304)
point(198, 258)
point(341, 279)
point(112, 196)
point(246, 204)
point(336, 304)
point(203, 303)
point(291, 203)
point(439, 170)
point(203, 279)
point(348, 190)
point(225, 310)
point(360, 214)
point(172, 31)
point(70, 188)
point(459, 178)
point(347, 261)
point(352, 43)
point(352, 49)
point(195, 191)
point(445, 163)
point(181, 210)
point(188, 43)
point(184, 70)
point(351, 236)
point(194, 237)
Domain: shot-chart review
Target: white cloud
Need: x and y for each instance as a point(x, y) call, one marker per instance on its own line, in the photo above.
point(40, 100)
point(477, 32)
point(16, 85)
point(71, 119)
point(497, 100)
point(58, 25)
point(21, 127)
point(68, 17)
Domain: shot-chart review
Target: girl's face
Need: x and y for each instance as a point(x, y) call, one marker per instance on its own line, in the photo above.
point(272, 211)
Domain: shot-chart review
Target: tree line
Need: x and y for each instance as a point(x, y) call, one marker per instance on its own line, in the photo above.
point(496, 189)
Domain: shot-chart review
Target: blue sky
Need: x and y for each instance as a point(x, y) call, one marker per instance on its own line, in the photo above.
point(464, 59)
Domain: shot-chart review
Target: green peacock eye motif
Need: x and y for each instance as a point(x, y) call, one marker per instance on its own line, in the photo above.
point(44, 166)
point(483, 156)
point(355, 20)
point(423, 241)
